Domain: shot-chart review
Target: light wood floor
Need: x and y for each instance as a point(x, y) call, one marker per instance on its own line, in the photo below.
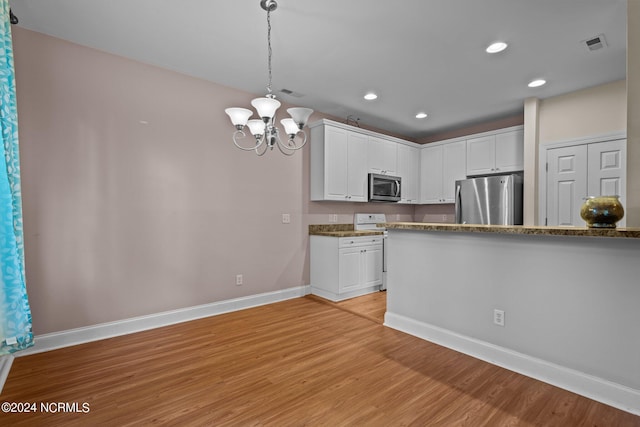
point(298, 362)
point(371, 306)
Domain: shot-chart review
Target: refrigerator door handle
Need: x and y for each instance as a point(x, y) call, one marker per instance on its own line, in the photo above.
point(458, 204)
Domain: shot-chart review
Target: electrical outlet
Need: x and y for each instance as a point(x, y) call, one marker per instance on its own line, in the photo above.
point(238, 279)
point(444, 218)
point(333, 218)
point(498, 317)
point(286, 218)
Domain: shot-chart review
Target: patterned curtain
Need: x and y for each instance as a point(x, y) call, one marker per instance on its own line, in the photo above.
point(15, 313)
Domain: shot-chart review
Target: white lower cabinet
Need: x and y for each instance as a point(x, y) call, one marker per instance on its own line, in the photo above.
point(345, 267)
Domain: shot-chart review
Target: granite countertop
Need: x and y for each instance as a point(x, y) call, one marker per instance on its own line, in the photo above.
point(516, 229)
point(340, 230)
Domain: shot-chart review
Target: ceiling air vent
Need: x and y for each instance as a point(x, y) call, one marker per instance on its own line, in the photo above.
point(291, 93)
point(595, 43)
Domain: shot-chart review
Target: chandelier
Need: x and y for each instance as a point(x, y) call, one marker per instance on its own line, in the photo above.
point(264, 129)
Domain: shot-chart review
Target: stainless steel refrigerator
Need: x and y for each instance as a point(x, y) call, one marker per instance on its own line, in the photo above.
point(495, 200)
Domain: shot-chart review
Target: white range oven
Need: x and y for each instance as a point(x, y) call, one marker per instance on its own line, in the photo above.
point(362, 221)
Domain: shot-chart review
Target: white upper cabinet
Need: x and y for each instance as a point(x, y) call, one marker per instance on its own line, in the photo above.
point(440, 166)
point(382, 156)
point(409, 170)
point(454, 158)
point(494, 154)
point(338, 165)
point(342, 157)
point(431, 175)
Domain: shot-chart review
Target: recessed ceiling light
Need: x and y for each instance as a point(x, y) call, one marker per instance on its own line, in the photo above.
point(370, 96)
point(537, 83)
point(496, 47)
point(421, 116)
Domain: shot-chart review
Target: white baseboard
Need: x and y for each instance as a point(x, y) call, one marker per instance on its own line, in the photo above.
point(607, 392)
point(5, 366)
point(102, 331)
point(332, 296)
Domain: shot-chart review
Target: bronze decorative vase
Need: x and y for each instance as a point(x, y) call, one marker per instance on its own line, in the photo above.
point(602, 211)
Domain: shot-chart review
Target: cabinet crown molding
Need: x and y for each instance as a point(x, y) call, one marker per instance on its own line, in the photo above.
point(367, 132)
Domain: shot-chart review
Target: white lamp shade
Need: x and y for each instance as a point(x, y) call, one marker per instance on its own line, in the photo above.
point(266, 107)
point(239, 116)
point(256, 127)
point(290, 127)
point(300, 115)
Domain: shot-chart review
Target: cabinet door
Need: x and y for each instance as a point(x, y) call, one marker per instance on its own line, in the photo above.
point(607, 170)
point(454, 163)
point(431, 166)
point(566, 185)
point(357, 167)
point(481, 155)
point(509, 151)
point(336, 156)
point(382, 156)
point(349, 270)
point(409, 170)
point(371, 265)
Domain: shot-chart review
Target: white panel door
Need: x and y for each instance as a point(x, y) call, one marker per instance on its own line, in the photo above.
point(607, 170)
point(566, 185)
point(357, 167)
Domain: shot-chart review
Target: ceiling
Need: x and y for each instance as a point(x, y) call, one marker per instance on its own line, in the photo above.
point(417, 55)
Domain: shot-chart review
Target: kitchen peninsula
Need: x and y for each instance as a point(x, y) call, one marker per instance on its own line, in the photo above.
point(568, 300)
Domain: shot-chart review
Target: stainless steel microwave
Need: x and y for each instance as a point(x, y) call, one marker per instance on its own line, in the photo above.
point(384, 188)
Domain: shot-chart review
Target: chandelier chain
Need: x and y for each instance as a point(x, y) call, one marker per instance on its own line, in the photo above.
point(269, 46)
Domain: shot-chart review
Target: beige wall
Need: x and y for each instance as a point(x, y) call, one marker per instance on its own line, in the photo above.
point(593, 111)
point(123, 218)
point(633, 109)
